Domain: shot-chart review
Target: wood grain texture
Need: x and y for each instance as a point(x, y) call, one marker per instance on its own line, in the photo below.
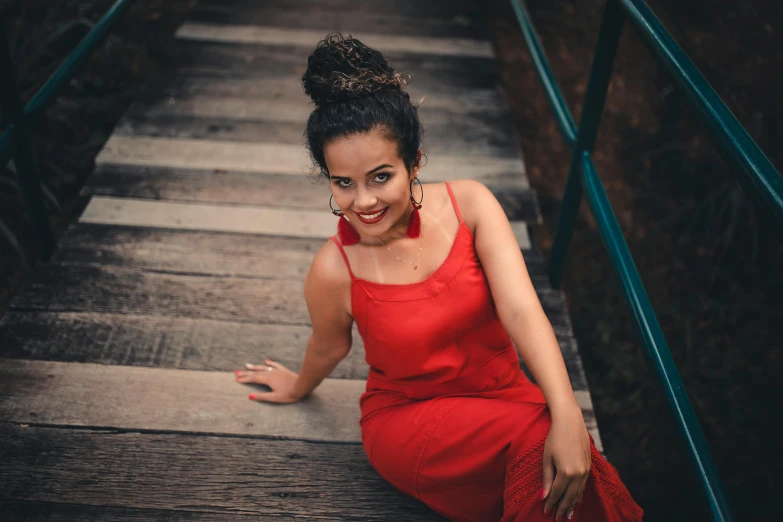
point(172, 86)
point(270, 35)
point(256, 61)
point(251, 188)
point(162, 342)
point(245, 219)
point(25, 511)
point(65, 288)
point(278, 158)
point(466, 134)
point(203, 474)
point(461, 22)
point(112, 289)
point(160, 399)
point(196, 252)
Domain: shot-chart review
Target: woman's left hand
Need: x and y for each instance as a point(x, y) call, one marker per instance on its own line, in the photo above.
point(566, 461)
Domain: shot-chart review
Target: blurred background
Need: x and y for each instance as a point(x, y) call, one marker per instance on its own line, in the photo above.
point(712, 264)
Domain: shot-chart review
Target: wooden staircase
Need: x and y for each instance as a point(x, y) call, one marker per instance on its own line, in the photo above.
point(117, 394)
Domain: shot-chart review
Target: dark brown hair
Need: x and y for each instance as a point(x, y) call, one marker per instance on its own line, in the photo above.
point(356, 91)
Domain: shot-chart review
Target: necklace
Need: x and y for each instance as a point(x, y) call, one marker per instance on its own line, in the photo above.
point(415, 261)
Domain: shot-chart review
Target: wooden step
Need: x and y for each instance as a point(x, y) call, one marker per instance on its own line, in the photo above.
point(189, 473)
point(307, 38)
point(411, 18)
point(161, 341)
point(445, 133)
point(181, 401)
point(251, 188)
point(263, 61)
point(278, 158)
point(113, 289)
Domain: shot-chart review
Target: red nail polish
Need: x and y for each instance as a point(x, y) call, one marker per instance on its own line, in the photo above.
point(543, 493)
point(236, 372)
point(251, 396)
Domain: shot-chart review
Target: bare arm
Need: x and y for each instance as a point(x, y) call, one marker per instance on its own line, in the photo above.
point(327, 290)
point(326, 285)
point(566, 459)
point(516, 301)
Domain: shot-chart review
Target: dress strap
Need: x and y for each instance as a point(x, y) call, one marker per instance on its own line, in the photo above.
point(345, 257)
point(453, 202)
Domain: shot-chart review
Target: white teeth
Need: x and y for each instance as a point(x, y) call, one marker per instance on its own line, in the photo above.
point(372, 216)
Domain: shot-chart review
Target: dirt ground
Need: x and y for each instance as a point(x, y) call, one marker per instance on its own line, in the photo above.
point(711, 263)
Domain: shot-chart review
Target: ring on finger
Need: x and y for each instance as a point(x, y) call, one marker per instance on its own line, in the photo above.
point(570, 515)
point(269, 368)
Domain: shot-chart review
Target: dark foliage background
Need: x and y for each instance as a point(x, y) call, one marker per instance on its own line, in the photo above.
point(712, 264)
point(41, 34)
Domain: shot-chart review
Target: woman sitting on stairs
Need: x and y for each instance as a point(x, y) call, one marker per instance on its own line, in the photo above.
point(441, 297)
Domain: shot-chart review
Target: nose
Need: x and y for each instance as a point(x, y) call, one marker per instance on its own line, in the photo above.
point(365, 200)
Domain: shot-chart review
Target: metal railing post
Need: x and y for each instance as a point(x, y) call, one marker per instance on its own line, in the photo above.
point(600, 74)
point(29, 180)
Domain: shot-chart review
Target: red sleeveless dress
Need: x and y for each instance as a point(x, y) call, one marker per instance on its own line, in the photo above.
point(448, 416)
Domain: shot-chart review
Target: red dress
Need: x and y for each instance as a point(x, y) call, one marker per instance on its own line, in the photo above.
point(448, 416)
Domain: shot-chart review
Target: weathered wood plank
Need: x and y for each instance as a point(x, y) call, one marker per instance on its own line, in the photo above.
point(248, 188)
point(196, 252)
point(256, 61)
point(279, 122)
point(136, 398)
point(84, 288)
point(270, 35)
point(356, 19)
point(24, 511)
point(240, 476)
point(469, 9)
point(162, 342)
point(225, 218)
point(276, 158)
point(202, 216)
point(170, 86)
point(161, 399)
point(126, 290)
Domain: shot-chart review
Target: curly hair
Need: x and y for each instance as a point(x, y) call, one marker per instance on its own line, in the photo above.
point(355, 91)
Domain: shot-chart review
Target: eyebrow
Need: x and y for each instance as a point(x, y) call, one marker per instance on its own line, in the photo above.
point(376, 169)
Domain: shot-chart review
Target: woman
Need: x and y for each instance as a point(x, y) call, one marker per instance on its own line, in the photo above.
point(439, 290)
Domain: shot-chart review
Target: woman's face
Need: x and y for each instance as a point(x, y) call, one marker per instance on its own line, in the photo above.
point(369, 182)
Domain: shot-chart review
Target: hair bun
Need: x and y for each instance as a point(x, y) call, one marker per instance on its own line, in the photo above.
point(342, 67)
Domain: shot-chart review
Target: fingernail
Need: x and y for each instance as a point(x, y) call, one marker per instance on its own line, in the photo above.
point(251, 396)
point(248, 365)
point(237, 372)
point(543, 493)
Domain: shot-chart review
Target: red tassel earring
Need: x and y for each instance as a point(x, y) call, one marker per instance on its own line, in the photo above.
point(414, 224)
point(345, 231)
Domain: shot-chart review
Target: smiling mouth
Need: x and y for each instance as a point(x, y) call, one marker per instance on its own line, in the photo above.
point(372, 218)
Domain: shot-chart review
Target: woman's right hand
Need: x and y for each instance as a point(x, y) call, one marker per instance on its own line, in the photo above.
point(271, 374)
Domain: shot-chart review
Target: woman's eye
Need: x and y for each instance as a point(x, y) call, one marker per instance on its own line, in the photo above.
point(382, 177)
point(344, 183)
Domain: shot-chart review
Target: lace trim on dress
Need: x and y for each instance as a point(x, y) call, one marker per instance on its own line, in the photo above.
point(608, 482)
point(525, 477)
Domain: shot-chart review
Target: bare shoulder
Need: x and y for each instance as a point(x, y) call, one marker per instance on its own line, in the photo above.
point(328, 270)
point(472, 196)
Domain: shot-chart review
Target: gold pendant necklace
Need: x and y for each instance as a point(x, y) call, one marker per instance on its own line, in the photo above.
point(415, 261)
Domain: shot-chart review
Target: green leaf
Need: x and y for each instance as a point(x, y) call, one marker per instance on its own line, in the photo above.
point(62, 174)
point(6, 232)
point(51, 197)
point(10, 183)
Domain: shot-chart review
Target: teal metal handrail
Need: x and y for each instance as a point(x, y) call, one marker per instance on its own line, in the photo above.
point(14, 141)
point(753, 169)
